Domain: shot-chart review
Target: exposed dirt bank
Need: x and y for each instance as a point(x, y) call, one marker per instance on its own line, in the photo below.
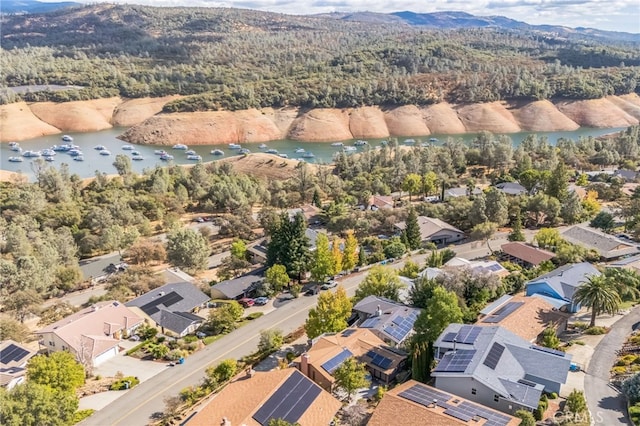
point(147, 125)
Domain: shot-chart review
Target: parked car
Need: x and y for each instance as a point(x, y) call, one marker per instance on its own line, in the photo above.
point(261, 301)
point(312, 290)
point(198, 219)
point(329, 284)
point(247, 302)
point(201, 335)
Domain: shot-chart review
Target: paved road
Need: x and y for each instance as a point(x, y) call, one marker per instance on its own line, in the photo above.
point(607, 405)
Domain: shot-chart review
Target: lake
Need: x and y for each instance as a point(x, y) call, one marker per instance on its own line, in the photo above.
point(323, 151)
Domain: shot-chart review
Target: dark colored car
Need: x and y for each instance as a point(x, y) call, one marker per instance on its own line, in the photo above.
point(247, 302)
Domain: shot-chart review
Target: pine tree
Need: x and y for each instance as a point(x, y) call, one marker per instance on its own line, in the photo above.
point(516, 234)
point(316, 198)
point(412, 231)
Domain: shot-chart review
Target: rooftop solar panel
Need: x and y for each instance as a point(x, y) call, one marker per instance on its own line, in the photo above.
point(289, 401)
point(454, 411)
point(167, 300)
point(548, 350)
point(370, 322)
point(348, 332)
point(424, 395)
point(379, 360)
point(449, 337)
point(331, 365)
point(455, 362)
point(12, 353)
point(468, 334)
point(494, 355)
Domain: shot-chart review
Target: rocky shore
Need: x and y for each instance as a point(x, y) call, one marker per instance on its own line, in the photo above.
point(146, 124)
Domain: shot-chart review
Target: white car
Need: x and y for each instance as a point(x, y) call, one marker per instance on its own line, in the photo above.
point(329, 284)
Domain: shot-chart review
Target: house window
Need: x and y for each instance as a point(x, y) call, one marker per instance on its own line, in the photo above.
point(473, 391)
point(496, 398)
point(51, 343)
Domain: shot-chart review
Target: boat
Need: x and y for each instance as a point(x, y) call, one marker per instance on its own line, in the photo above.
point(190, 152)
point(263, 146)
point(67, 138)
point(62, 148)
point(360, 142)
point(384, 143)
point(217, 152)
point(337, 144)
point(16, 159)
point(74, 152)
point(30, 153)
point(244, 151)
point(234, 146)
point(137, 158)
point(166, 157)
point(409, 141)
point(104, 152)
point(194, 157)
point(299, 150)
point(308, 155)
point(433, 140)
point(48, 158)
point(283, 155)
point(78, 158)
point(135, 153)
point(159, 152)
point(12, 144)
point(349, 149)
point(48, 152)
point(15, 147)
point(127, 147)
point(271, 151)
point(180, 146)
point(99, 147)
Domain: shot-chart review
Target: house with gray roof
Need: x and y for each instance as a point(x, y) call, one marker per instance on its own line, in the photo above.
point(608, 246)
point(237, 288)
point(389, 320)
point(626, 175)
point(461, 191)
point(435, 230)
point(559, 285)
point(172, 307)
point(512, 188)
point(494, 367)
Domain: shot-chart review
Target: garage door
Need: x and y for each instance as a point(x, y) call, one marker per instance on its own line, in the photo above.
point(105, 356)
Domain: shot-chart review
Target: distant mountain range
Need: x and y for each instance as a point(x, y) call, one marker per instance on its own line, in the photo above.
point(436, 20)
point(33, 6)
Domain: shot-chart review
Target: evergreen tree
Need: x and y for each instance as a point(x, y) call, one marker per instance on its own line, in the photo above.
point(289, 245)
point(497, 207)
point(362, 257)
point(516, 233)
point(412, 230)
point(478, 211)
point(572, 211)
point(558, 182)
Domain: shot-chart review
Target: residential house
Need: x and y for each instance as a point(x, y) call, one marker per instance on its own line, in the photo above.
point(237, 288)
point(524, 254)
point(259, 397)
point(494, 367)
point(391, 321)
point(330, 350)
point(257, 252)
point(310, 212)
point(13, 363)
point(435, 231)
point(413, 403)
point(381, 202)
point(630, 263)
point(512, 188)
point(558, 286)
point(490, 267)
point(608, 246)
point(91, 334)
point(526, 317)
point(626, 175)
point(461, 191)
point(172, 307)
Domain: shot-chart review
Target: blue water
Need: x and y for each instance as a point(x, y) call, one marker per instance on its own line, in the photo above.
point(323, 151)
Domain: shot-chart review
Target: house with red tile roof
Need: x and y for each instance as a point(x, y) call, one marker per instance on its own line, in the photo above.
point(93, 333)
point(525, 255)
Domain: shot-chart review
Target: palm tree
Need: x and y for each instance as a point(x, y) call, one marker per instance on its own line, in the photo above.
point(625, 281)
point(599, 295)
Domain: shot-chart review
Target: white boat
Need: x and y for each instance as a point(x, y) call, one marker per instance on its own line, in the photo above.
point(180, 146)
point(283, 155)
point(12, 144)
point(99, 147)
point(74, 152)
point(433, 140)
point(135, 153)
point(16, 159)
point(48, 158)
point(263, 146)
point(299, 150)
point(166, 157)
point(30, 153)
point(127, 147)
point(308, 155)
point(384, 143)
point(15, 147)
point(361, 143)
point(409, 141)
point(349, 149)
point(137, 158)
point(235, 146)
point(217, 152)
point(159, 152)
point(48, 152)
point(78, 158)
point(190, 152)
point(62, 148)
point(337, 144)
point(105, 152)
point(67, 138)
point(194, 157)
point(271, 151)
point(244, 151)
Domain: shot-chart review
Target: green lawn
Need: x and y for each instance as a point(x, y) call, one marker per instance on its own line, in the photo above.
point(634, 413)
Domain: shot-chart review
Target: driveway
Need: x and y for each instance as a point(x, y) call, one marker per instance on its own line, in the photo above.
point(606, 404)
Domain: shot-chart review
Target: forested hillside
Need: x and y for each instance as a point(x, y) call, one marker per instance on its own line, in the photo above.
point(238, 59)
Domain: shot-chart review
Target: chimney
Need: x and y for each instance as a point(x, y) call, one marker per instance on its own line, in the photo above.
point(454, 344)
point(249, 372)
point(304, 364)
point(378, 311)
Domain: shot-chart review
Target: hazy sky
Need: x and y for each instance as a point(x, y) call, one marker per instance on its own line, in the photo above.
point(614, 15)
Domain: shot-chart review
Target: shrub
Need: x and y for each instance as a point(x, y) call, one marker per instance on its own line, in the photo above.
point(124, 383)
point(538, 412)
point(527, 418)
point(290, 356)
point(578, 342)
point(581, 325)
point(631, 388)
point(634, 413)
point(136, 348)
point(595, 330)
point(254, 315)
point(189, 339)
point(160, 339)
point(174, 355)
point(80, 415)
point(627, 359)
point(172, 344)
point(553, 395)
point(619, 370)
